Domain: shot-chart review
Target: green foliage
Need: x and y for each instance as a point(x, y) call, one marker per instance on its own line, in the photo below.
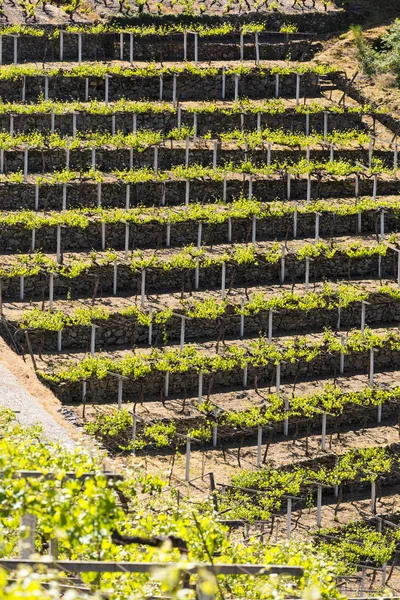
point(385, 60)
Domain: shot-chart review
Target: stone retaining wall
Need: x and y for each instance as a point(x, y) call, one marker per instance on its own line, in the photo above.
point(216, 122)
point(15, 196)
point(100, 280)
point(183, 384)
point(154, 235)
point(189, 87)
point(127, 332)
point(45, 161)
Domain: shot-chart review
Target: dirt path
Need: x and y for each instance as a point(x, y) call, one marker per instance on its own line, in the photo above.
point(23, 393)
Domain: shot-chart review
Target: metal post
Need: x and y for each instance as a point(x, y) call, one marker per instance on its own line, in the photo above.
point(270, 317)
point(25, 164)
point(27, 536)
point(126, 240)
point(187, 472)
point(197, 273)
point(307, 282)
point(323, 438)
point(241, 318)
point(245, 374)
point(187, 192)
point(295, 222)
point(371, 367)
point(131, 49)
point(286, 420)
point(373, 495)
point(215, 154)
point(134, 427)
point(58, 244)
point(115, 275)
point(119, 392)
point(79, 48)
point(51, 291)
point(223, 276)
point(215, 429)
point(200, 387)
point(288, 518)
point(278, 377)
point(187, 152)
point(15, 58)
point(317, 216)
point(282, 263)
point(92, 340)
point(297, 88)
point(341, 367)
point(259, 444)
point(174, 89)
point(199, 234)
point(363, 305)
point(59, 340)
point(257, 48)
point(319, 505)
point(106, 91)
point(143, 288)
point(121, 45)
point(103, 236)
point(166, 384)
point(182, 343)
point(254, 230)
point(359, 223)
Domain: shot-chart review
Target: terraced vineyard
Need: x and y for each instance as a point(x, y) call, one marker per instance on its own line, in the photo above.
point(200, 254)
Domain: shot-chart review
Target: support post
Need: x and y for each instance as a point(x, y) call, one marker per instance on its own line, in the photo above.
point(187, 470)
point(143, 288)
point(182, 342)
point(319, 506)
point(92, 340)
point(27, 535)
point(51, 291)
point(323, 436)
point(373, 496)
point(288, 518)
point(282, 263)
point(120, 383)
point(223, 277)
point(259, 445)
point(241, 318)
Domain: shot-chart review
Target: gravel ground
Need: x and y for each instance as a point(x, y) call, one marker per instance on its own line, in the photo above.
point(29, 410)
